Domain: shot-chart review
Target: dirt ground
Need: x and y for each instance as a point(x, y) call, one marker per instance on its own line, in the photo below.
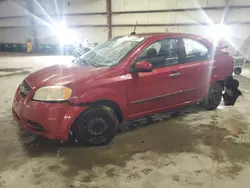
point(188, 148)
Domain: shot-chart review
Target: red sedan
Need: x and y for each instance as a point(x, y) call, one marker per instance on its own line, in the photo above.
point(124, 78)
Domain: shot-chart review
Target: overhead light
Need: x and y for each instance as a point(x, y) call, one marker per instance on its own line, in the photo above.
point(219, 31)
point(65, 35)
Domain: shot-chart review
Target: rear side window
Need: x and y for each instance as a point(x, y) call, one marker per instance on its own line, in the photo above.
point(195, 51)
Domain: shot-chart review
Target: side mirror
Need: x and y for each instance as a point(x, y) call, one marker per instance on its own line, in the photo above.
point(143, 66)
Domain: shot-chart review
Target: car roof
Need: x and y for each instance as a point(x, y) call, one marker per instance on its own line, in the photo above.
point(149, 35)
point(163, 35)
point(160, 35)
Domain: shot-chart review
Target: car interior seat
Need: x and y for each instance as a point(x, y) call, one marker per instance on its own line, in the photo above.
point(151, 52)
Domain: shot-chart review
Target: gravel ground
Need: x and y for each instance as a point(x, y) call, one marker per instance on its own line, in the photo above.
point(188, 148)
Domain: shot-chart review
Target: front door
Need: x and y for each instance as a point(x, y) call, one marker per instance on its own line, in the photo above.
point(157, 90)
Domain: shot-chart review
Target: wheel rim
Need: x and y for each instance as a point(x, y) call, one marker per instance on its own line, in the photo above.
point(237, 70)
point(97, 127)
point(215, 97)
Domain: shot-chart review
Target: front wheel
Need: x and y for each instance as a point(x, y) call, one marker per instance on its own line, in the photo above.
point(213, 97)
point(237, 70)
point(97, 126)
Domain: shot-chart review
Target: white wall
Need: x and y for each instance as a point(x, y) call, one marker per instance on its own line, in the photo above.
point(17, 35)
point(45, 27)
point(210, 16)
point(48, 34)
point(13, 8)
point(169, 17)
point(123, 5)
point(15, 22)
point(13, 35)
point(47, 13)
point(79, 6)
point(239, 32)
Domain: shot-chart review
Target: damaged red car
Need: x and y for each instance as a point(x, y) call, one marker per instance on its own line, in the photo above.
point(122, 79)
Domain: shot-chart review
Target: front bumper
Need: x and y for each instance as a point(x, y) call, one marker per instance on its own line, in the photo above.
point(51, 120)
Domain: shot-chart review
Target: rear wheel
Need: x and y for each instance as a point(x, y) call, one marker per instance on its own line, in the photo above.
point(97, 126)
point(237, 70)
point(213, 97)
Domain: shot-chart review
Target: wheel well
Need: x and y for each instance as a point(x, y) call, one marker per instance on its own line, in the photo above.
point(222, 83)
point(112, 105)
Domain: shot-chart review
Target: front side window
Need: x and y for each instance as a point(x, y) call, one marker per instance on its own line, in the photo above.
point(161, 53)
point(111, 52)
point(195, 51)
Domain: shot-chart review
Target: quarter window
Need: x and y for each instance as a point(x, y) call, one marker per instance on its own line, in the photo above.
point(195, 51)
point(162, 53)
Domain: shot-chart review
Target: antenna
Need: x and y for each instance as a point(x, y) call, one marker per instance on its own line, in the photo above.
point(134, 33)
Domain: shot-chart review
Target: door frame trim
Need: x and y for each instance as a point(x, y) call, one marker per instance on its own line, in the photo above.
point(164, 96)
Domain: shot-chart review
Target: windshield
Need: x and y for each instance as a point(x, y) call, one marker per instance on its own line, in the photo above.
point(111, 52)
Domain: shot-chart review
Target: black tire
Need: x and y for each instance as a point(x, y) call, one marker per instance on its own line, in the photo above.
point(96, 126)
point(213, 97)
point(237, 70)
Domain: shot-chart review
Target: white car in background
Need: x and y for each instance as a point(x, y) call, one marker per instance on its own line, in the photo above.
point(239, 59)
point(239, 62)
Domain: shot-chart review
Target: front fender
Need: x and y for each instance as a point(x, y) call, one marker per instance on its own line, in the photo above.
point(102, 94)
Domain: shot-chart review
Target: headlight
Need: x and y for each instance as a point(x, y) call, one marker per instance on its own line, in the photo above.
point(53, 93)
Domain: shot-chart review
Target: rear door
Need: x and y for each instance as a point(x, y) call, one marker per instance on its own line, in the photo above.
point(195, 70)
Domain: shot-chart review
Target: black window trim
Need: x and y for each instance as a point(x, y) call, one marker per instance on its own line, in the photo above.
point(180, 59)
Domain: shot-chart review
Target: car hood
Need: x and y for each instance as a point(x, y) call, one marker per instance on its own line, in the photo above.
point(63, 74)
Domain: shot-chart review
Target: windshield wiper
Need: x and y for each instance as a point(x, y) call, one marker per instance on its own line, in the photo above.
point(82, 61)
point(96, 64)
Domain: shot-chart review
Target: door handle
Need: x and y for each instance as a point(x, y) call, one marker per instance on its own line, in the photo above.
point(174, 74)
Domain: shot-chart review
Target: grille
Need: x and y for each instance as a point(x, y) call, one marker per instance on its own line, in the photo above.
point(24, 89)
